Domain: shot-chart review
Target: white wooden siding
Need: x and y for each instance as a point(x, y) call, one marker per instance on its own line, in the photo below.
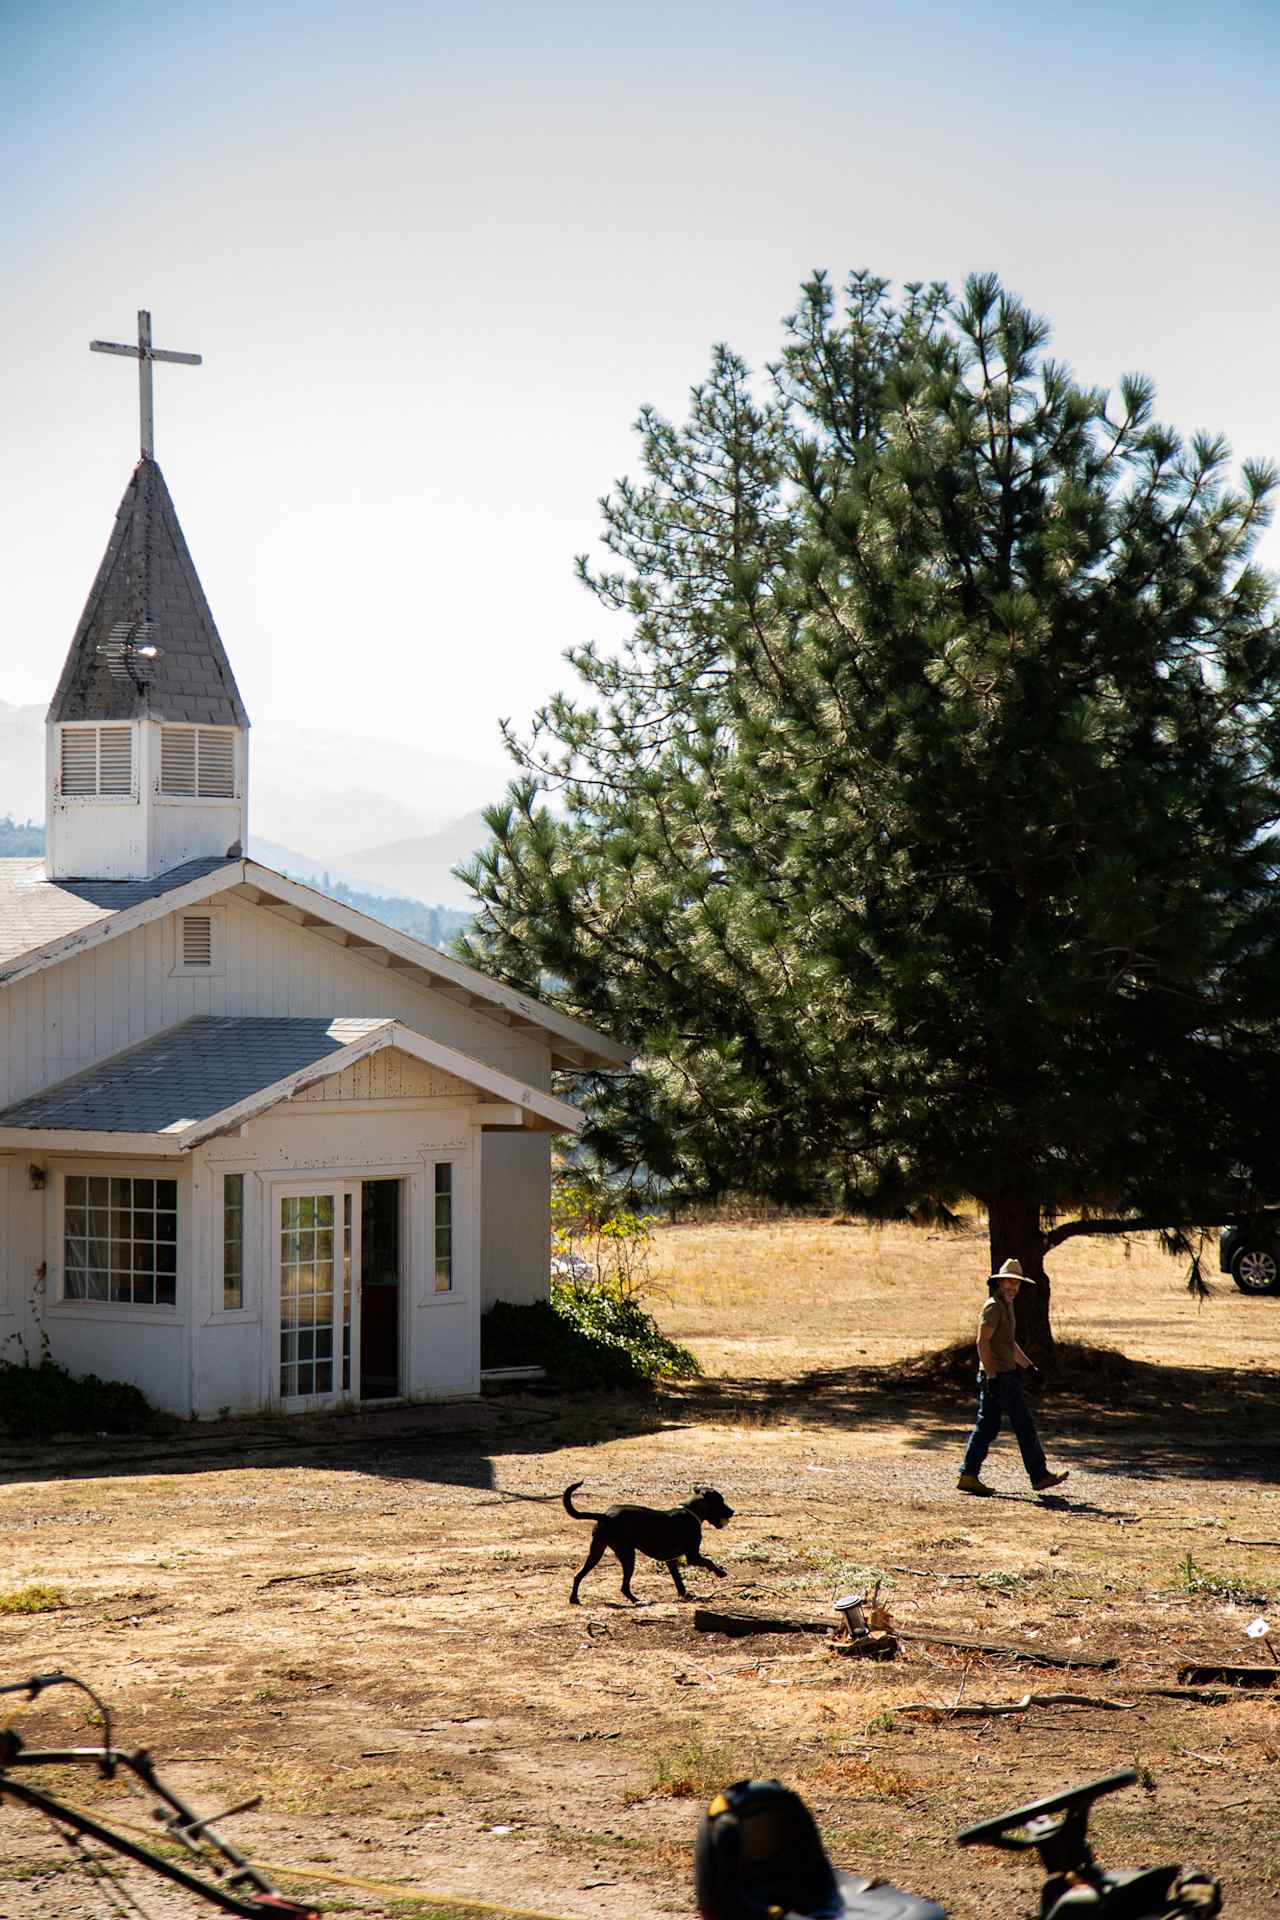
point(389, 1075)
point(101, 1001)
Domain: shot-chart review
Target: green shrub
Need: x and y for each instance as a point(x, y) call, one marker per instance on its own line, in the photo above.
point(38, 1401)
point(33, 1599)
point(585, 1336)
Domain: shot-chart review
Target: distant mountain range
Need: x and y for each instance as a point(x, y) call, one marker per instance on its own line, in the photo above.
point(418, 867)
point(380, 816)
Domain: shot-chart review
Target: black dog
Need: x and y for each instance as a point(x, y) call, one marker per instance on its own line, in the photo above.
point(670, 1534)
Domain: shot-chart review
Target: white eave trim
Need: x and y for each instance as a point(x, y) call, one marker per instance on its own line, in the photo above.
point(69, 1140)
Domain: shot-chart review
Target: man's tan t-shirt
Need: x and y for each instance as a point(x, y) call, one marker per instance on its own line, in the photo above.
point(998, 1315)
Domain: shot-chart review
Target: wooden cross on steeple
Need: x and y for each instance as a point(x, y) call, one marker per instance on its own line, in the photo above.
point(144, 353)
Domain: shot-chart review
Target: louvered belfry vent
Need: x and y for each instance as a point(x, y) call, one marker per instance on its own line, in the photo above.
point(198, 762)
point(178, 760)
point(79, 760)
point(94, 761)
point(216, 769)
point(197, 940)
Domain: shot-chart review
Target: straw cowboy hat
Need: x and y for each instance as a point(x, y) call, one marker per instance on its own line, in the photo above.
point(1012, 1270)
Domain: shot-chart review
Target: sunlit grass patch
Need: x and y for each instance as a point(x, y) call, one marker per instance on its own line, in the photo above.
point(693, 1771)
point(36, 1598)
point(864, 1777)
point(1233, 1587)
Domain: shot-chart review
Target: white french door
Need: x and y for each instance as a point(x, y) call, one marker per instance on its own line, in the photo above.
point(315, 1267)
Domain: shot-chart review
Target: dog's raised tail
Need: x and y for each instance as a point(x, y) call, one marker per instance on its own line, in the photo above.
point(577, 1513)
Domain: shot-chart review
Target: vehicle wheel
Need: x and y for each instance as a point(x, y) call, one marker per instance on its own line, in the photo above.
point(1255, 1269)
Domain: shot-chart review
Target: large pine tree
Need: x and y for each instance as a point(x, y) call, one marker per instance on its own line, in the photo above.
point(919, 832)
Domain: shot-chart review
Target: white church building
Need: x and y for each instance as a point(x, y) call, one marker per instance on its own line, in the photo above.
point(256, 1149)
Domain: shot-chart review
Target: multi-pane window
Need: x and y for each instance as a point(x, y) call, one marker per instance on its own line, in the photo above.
point(198, 763)
point(95, 761)
point(232, 1241)
point(306, 1294)
point(444, 1226)
point(121, 1240)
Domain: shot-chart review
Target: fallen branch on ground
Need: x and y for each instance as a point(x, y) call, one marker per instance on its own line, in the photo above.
point(932, 1573)
point(1206, 1696)
point(313, 1573)
point(976, 1709)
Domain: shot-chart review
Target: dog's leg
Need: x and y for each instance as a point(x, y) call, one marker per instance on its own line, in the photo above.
point(593, 1559)
point(627, 1556)
point(673, 1568)
point(700, 1560)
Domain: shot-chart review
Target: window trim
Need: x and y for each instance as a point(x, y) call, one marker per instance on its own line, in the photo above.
point(178, 967)
point(237, 1305)
point(466, 1243)
point(433, 1244)
point(250, 1308)
point(57, 1304)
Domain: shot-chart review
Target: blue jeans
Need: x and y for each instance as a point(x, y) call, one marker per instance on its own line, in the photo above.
point(1000, 1394)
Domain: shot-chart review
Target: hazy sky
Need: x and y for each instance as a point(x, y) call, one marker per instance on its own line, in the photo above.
point(436, 258)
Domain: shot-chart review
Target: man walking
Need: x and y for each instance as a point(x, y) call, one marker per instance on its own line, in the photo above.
point(1000, 1388)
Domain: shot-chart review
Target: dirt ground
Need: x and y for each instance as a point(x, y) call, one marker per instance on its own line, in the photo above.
point(364, 1619)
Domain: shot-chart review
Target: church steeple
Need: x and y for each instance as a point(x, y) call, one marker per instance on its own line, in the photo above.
point(147, 734)
point(146, 647)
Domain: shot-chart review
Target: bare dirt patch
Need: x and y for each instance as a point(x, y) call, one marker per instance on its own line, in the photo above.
point(365, 1619)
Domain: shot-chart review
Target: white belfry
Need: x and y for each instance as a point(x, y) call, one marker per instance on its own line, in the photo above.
point(144, 353)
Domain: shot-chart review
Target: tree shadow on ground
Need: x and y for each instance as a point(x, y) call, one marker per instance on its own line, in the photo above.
point(1101, 1410)
point(448, 1444)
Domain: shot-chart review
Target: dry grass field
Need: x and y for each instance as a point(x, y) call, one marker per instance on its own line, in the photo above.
point(364, 1619)
point(784, 1296)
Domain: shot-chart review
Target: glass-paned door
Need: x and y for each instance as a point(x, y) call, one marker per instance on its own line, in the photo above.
point(314, 1232)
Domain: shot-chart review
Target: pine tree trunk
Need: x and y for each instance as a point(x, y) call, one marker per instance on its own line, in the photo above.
point(1013, 1221)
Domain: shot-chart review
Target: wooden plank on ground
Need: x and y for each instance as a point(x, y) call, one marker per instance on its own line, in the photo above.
point(738, 1625)
point(1195, 1674)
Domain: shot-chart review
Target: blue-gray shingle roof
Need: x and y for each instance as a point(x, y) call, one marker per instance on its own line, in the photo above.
point(35, 910)
point(147, 595)
point(189, 1072)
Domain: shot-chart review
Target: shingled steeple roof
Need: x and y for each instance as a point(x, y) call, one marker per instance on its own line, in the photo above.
point(146, 646)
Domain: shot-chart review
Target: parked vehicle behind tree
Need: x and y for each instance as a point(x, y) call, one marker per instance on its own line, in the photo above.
point(1250, 1252)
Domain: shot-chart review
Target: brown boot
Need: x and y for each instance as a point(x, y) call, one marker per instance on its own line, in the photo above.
point(970, 1483)
point(1047, 1480)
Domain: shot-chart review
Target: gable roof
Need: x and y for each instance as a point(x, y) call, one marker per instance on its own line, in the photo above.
point(43, 922)
point(147, 594)
point(207, 1075)
point(38, 914)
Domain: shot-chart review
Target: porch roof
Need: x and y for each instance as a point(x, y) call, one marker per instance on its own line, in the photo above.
point(208, 1075)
